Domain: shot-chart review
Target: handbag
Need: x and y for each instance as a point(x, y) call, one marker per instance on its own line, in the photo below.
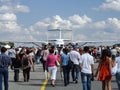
point(114, 70)
point(57, 63)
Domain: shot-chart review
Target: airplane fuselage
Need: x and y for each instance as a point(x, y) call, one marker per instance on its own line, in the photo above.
point(59, 42)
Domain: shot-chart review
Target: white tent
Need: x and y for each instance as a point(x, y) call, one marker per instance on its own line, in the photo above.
point(7, 46)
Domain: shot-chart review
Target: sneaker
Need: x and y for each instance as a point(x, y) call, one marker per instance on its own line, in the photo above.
point(53, 85)
point(76, 81)
point(65, 84)
point(73, 81)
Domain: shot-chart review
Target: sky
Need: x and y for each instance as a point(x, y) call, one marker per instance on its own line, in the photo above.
point(30, 20)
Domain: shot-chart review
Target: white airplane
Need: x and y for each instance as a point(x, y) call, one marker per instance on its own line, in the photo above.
point(57, 42)
point(60, 41)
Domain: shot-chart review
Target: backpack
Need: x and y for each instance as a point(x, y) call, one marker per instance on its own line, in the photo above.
point(25, 61)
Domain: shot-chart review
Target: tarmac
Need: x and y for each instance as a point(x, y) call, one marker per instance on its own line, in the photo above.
point(38, 81)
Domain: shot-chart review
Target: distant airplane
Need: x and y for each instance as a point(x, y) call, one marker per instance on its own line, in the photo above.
point(59, 41)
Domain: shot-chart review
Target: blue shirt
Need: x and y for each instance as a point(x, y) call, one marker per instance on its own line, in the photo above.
point(5, 60)
point(65, 58)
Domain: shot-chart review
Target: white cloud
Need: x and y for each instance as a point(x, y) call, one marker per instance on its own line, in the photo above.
point(8, 17)
point(4, 8)
point(98, 25)
point(103, 30)
point(76, 19)
point(114, 22)
point(83, 28)
point(41, 27)
point(9, 26)
point(79, 21)
point(12, 26)
point(111, 23)
point(21, 8)
point(8, 23)
point(14, 8)
point(72, 22)
point(111, 4)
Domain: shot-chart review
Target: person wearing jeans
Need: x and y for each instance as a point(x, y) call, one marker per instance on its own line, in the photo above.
point(5, 61)
point(118, 80)
point(65, 57)
point(75, 72)
point(118, 72)
point(75, 57)
point(86, 81)
point(4, 72)
point(87, 68)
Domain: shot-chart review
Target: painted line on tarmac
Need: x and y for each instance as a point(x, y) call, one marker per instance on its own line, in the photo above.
point(45, 83)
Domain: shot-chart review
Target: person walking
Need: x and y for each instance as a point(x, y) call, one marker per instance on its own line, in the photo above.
point(118, 72)
point(26, 65)
point(44, 54)
point(17, 64)
point(32, 55)
point(75, 57)
point(5, 62)
point(51, 66)
point(65, 57)
point(104, 69)
point(12, 54)
point(87, 69)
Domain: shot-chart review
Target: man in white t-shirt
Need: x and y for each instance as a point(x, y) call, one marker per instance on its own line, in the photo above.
point(75, 57)
point(12, 54)
point(87, 67)
point(113, 53)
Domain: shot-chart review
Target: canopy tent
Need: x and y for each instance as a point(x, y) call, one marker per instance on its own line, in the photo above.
point(7, 46)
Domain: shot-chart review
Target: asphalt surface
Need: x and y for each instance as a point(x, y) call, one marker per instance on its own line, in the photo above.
point(38, 82)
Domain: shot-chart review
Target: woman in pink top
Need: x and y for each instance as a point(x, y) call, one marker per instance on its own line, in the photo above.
point(51, 65)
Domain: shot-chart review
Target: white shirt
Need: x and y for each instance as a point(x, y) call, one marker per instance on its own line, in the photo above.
point(118, 63)
point(114, 52)
point(86, 60)
point(75, 57)
point(12, 53)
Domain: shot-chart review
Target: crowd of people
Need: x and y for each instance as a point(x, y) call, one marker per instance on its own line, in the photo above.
point(73, 60)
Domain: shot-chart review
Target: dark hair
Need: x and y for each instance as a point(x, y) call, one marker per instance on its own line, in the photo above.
point(105, 53)
point(65, 50)
point(45, 46)
point(3, 49)
point(51, 50)
point(27, 51)
point(52, 47)
point(86, 49)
